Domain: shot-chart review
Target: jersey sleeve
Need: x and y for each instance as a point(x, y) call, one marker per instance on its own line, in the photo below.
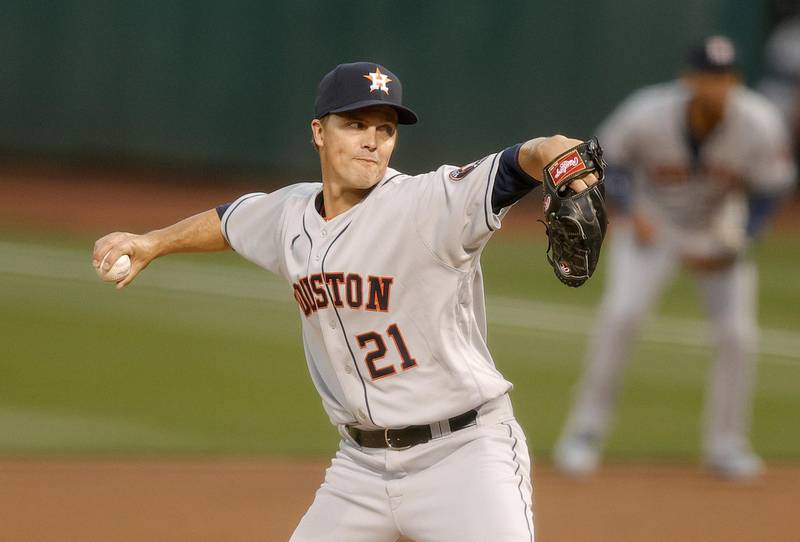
point(457, 208)
point(619, 136)
point(253, 225)
point(618, 132)
point(772, 169)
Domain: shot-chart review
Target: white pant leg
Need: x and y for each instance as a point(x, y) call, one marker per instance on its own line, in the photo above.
point(636, 277)
point(472, 485)
point(729, 297)
point(352, 504)
point(480, 491)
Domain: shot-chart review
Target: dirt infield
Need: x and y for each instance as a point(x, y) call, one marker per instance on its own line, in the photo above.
point(116, 500)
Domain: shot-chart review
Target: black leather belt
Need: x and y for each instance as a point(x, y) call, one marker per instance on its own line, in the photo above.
point(402, 439)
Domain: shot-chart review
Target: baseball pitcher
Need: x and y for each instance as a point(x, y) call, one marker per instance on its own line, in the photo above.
point(385, 270)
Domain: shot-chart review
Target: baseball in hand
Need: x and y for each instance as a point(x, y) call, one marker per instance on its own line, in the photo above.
point(118, 271)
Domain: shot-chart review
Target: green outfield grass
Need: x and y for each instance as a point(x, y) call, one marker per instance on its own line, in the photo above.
point(203, 355)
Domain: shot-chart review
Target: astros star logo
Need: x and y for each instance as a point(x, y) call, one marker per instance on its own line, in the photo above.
point(379, 81)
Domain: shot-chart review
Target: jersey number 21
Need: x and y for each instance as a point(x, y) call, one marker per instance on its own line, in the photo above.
point(379, 351)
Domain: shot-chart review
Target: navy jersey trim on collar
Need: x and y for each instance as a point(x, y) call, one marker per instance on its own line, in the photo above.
point(398, 174)
point(319, 200)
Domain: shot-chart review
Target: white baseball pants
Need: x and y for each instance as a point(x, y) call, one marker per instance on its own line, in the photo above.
point(637, 276)
point(471, 485)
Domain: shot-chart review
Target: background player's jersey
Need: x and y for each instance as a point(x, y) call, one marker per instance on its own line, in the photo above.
point(390, 292)
point(698, 199)
point(781, 83)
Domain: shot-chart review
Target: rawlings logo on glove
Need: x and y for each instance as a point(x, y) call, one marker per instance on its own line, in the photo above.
point(561, 168)
point(575, 222)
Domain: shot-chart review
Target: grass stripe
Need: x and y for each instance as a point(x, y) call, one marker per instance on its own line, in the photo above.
point(240, 282)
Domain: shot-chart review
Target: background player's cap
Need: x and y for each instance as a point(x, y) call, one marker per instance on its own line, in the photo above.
point(361, 84)
point(713, 54)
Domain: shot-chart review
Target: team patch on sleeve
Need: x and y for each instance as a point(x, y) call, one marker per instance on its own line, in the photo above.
point(566, 166)
point(463, 171)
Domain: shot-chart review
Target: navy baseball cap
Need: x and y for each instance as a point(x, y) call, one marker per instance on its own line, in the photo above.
point(713, 54)
point(361, 84)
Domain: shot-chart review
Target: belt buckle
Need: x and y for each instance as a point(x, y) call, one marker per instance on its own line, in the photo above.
point(389, 442)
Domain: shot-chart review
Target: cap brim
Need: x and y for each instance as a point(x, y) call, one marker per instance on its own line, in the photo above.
point(404, 114)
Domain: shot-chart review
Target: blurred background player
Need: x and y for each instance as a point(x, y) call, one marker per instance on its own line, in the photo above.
point(696, 166)
point(781, 82)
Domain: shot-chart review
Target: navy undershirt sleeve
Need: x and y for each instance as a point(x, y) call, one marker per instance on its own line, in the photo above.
point(760, 208)
point(511, 182)
point(619, 187)
point(221, 209)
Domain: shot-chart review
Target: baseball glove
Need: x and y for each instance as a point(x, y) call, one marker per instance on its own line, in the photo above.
point(575, 222)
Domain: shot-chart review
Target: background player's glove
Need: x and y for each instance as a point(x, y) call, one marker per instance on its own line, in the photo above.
point(575, 222)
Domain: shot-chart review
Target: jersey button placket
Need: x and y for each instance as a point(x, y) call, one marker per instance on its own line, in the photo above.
point(324, 234)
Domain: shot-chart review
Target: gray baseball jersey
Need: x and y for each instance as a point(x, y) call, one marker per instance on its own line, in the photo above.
point(390, 292)
point(699, 201)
